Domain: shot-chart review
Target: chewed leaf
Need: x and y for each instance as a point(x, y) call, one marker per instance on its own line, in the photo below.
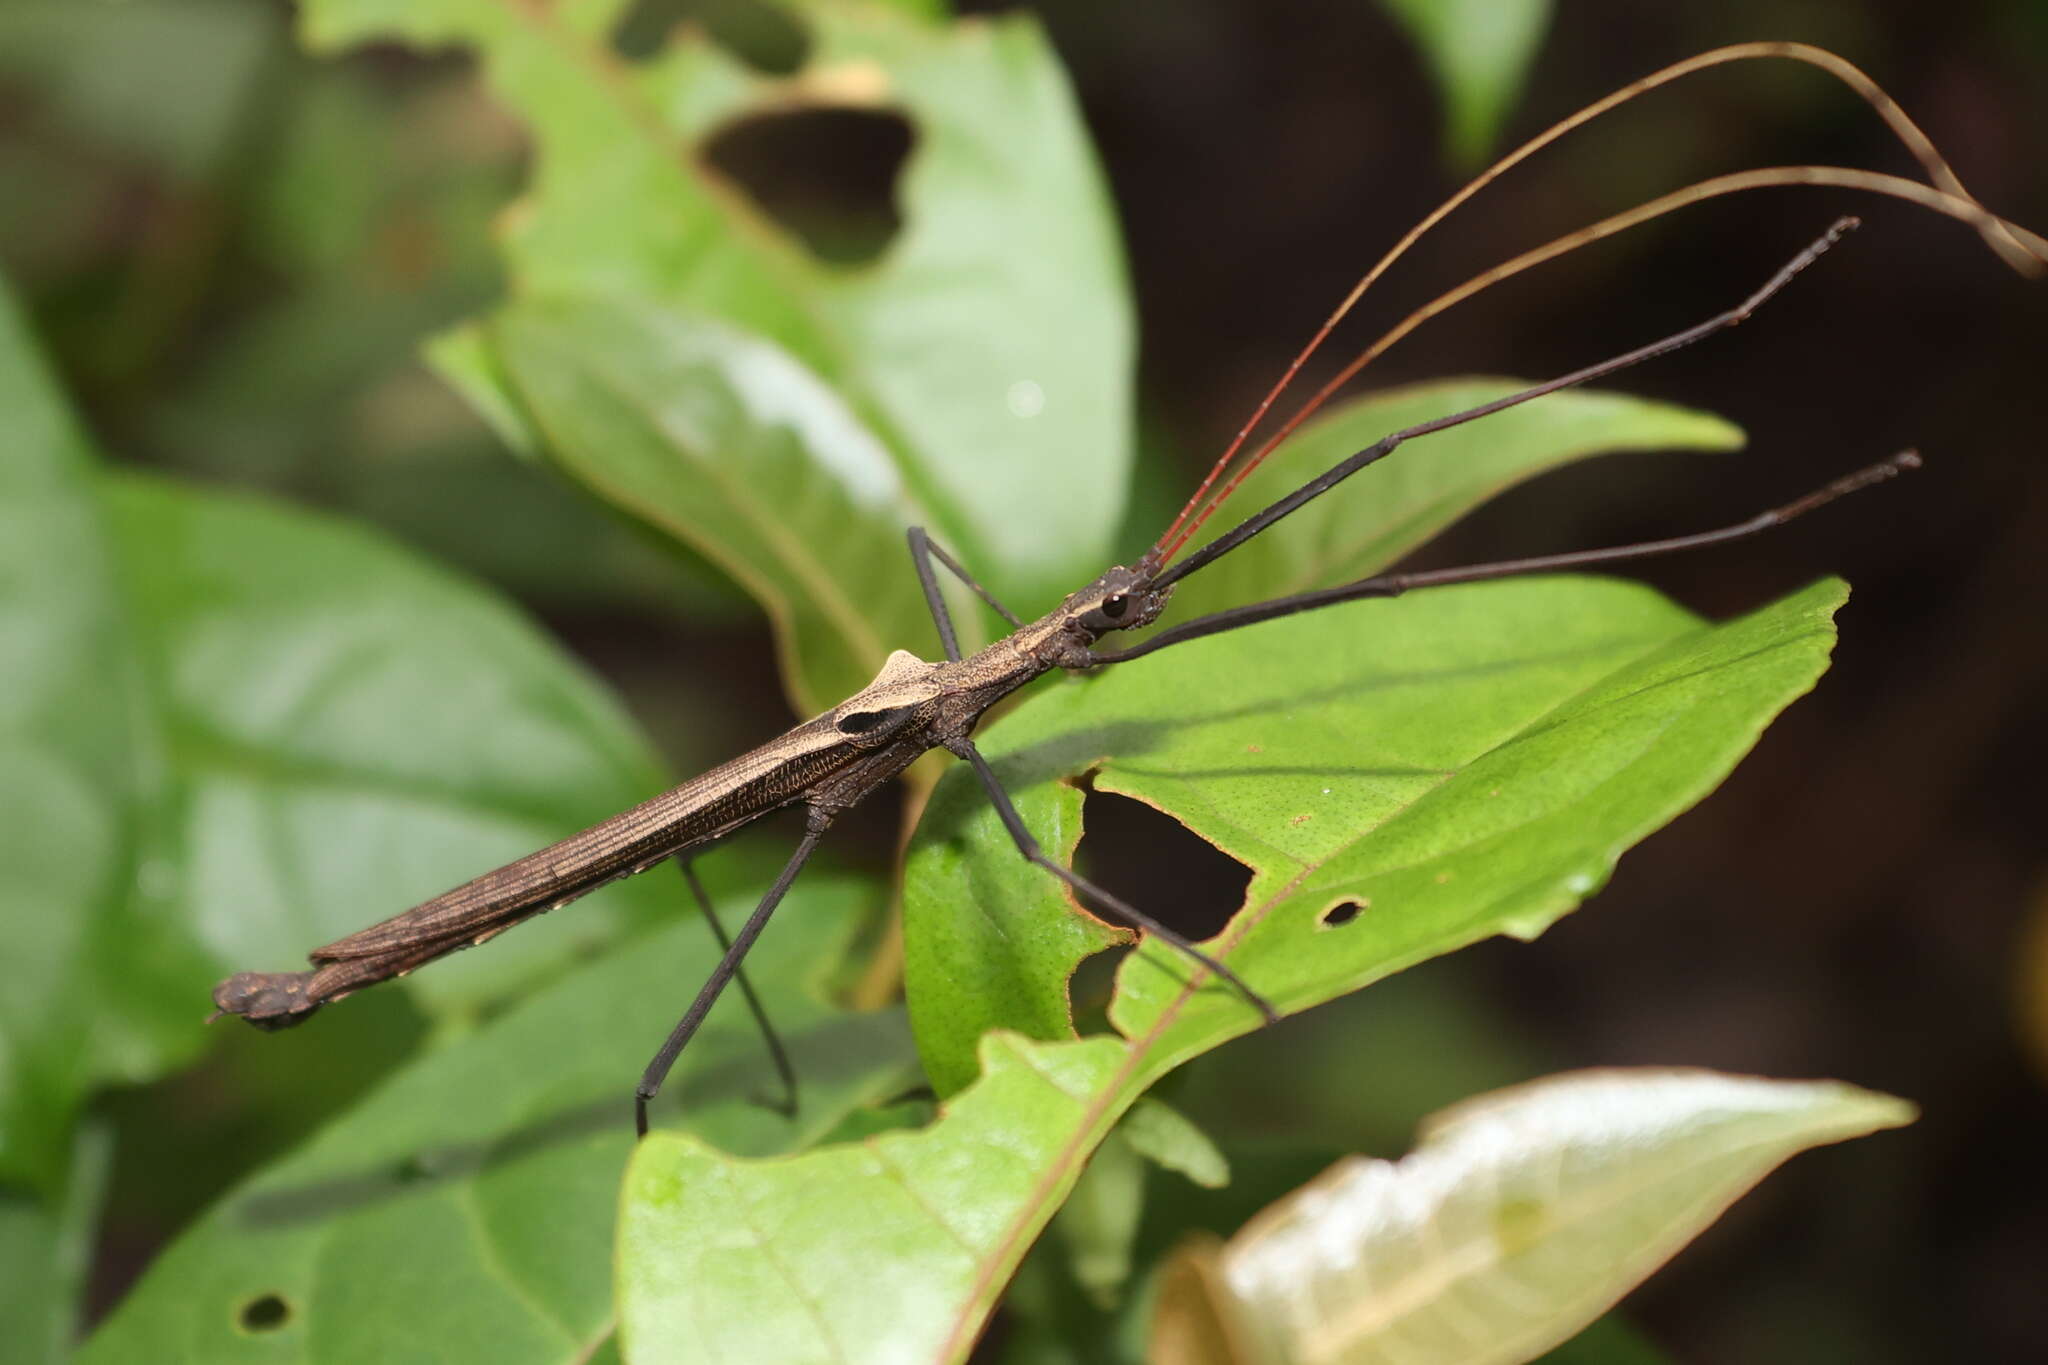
point(1479, 777)
point(989, 349)
point(1402, 778)
point(902, 1242)
point(992, 938)
point(1366, 524)
point(470, 1199)
point(1519, 1218)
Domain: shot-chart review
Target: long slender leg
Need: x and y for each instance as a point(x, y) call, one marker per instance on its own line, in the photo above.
point(1028, 846)
point(1394, 584)
point(923, 549)
point(1385, 446)
point(686, 1027)
point(776, 1052)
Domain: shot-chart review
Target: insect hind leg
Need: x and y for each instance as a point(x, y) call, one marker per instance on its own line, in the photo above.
point(728, 966)
point(784, 1071)
point(1131, 915)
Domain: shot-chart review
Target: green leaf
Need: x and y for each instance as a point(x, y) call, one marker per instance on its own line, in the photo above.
point(1168, 1138)
point(892, 1249)
point(993, 939)
point(246, 731)
point(90, 966)
point(464, 1210)
point(989, 349)
point(45, 1250)
point(929, 10)
point(1480, 51)
point(1519, 1218)
point(721, 440)
point(348, 730)
point(1608, 1341)
point(1459, 764)
point(128, 73)
point(1369, 522)
point(1098, 1222)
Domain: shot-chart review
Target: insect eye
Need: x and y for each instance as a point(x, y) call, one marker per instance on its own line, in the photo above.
point(1115, 605)
point(865, 722)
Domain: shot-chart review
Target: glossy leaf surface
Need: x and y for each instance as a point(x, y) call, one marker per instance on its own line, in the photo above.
point(1518, 1218)
point(724, 442)
point(349, 730)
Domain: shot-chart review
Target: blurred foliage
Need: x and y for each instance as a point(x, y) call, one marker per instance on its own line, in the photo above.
point(251, 728)
point(237, 253)
point(1479, 51)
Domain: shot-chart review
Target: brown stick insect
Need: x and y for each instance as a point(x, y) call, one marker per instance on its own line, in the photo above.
point(839, 758)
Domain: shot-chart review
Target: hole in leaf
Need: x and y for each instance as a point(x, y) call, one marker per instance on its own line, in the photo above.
point(765, 37)
point(1158, 865)
point(264, 1313)
point(870, 1120)
point(827, 176)
point(1340, 914)
point(1089, 990)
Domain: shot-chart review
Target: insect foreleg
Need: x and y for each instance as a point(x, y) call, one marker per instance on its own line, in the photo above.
point(817, 819)
point(1138, 919)
point(923, 549)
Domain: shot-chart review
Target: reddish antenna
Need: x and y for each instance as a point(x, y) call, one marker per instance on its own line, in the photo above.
point(2023, 250)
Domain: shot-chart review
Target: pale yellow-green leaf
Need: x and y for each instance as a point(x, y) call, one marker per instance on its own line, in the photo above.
point(1519, 1218)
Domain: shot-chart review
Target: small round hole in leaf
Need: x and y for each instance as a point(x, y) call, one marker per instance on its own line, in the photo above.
point(825, 175)
point(1342, 914)
point(264, 1313)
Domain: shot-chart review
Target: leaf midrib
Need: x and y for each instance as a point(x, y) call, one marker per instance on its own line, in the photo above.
point(1131, 1073)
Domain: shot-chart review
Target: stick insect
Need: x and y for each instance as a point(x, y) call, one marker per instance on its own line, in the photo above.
point(841, 757)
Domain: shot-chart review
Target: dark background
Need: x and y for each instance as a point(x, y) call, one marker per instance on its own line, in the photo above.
point(1853, 902)
point(233, 273)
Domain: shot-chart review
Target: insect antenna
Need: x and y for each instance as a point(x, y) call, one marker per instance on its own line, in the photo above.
point(1395, 584)
point(2025, 251)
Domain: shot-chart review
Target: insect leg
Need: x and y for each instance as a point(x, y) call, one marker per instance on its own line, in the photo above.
point(1138, 919)
point(923, 549)
point(1394, 584)
point(816, 821)
point(783, 1070)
